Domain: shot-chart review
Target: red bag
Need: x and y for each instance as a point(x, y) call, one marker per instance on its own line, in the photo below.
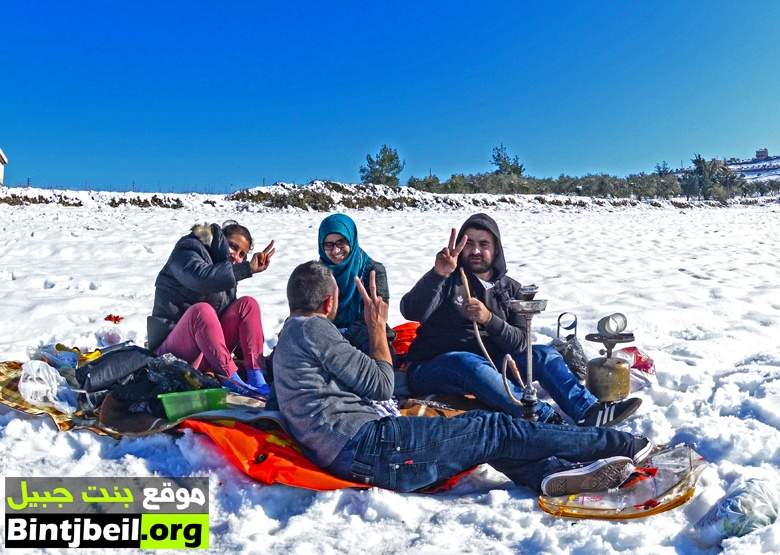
point(404, 336)
point(637, 359)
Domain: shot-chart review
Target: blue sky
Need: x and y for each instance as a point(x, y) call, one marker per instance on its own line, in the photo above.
point(215, 96)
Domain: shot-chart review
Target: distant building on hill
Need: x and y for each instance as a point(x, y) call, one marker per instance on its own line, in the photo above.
point(763, 167)
point(3, 162)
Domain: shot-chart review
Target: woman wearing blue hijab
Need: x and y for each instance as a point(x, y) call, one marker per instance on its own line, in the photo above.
point(340, 251)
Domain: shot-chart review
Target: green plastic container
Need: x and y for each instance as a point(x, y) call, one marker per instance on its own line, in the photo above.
point(184, 403)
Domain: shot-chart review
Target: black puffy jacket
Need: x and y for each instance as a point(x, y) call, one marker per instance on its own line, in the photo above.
point(198, 270)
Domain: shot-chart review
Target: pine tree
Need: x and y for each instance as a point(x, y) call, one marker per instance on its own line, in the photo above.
point(669, 186)
point(505, 165)
point(662, 169)
point(384, 169)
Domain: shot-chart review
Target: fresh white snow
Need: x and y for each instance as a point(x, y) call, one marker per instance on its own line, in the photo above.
point(699, 286)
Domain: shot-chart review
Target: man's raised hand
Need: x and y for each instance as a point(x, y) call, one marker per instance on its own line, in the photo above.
point(374, 307)
point(261, 260)
point(375, 313)
point(447, 258)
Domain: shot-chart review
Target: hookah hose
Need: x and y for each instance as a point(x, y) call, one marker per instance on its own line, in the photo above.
point(508, 360)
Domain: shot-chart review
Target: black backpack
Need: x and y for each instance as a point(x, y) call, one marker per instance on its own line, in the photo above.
point(136, 376)
point(113, 367)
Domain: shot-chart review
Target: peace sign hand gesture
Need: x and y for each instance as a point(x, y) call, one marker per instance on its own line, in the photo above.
point(447, 258)
point(261, 260)
point(375, 313)
point(374, 307)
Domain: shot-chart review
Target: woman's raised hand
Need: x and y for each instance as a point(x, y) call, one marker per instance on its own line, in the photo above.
point(261, 260)
point(447, 258)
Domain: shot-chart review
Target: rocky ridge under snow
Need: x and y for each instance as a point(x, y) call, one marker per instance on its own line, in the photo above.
point(328, 196)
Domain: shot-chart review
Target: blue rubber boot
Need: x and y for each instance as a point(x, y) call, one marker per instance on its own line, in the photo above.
point(256, 378)
point(235, 384)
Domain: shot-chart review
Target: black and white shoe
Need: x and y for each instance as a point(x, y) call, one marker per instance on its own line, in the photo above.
point(642, 449)
point(554, 418)
point(600, 475)
point(609, 414)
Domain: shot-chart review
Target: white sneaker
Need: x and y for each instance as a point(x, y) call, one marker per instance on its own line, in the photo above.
point(600, 475)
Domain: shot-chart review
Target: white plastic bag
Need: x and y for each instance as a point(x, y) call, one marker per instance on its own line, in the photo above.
point(41, 385)
point(112, 335)
point(753, 504)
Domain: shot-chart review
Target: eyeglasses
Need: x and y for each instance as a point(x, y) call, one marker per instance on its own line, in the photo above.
point(340, 244)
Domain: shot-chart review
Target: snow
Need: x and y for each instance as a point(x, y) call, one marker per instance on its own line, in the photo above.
point(758, 169)
point(699, 287)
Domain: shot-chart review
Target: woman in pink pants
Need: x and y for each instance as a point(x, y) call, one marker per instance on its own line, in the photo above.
point(196, 314)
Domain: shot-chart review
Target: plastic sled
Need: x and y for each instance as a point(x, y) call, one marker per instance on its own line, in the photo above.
point(667, 479)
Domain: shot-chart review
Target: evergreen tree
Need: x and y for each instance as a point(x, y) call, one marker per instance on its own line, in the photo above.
point(747, 188)
point(668, 186)
point(384, 169)
point(730, 182)
point(506, 165)
point(429, 183)
point(690, 185)
point(709, 173)
point(644, 185)
point(662, 169)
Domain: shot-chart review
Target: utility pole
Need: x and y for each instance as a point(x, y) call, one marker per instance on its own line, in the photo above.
point(29, 182)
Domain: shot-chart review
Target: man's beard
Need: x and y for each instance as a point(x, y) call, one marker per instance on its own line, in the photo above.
point(477, 266)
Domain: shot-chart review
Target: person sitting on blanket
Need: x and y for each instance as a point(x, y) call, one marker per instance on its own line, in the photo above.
point(196, 314)
point(445, 357)
point(325, 388)
point(340, 251)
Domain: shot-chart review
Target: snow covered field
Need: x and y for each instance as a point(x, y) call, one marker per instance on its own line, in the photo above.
point(700, 289)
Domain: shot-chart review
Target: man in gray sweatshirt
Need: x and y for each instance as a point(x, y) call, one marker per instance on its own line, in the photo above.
point(326, 387)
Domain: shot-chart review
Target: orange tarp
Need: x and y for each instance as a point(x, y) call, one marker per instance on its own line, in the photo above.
point(269, 457)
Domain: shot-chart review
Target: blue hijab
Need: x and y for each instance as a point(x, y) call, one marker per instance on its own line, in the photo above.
point(357, 264)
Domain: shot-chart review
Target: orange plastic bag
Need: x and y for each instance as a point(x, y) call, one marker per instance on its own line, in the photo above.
point(404, 335)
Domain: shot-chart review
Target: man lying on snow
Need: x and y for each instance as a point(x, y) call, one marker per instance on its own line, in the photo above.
point(446, 358)
point(326, 387)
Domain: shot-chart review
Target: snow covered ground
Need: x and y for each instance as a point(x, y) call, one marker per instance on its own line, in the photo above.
point(700, 288)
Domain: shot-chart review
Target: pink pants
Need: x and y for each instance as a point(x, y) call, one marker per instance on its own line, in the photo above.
point(206, 341)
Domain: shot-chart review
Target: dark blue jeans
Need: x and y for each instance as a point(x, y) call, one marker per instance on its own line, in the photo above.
point(408, 453)
point(459, 373)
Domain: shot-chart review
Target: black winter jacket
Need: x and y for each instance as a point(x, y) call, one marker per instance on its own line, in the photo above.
point(436, 302)
point(198, 270)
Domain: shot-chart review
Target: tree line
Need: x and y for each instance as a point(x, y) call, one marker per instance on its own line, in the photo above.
point(707, 179)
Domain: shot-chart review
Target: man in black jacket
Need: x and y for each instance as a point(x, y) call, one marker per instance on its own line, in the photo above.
point(446, 358)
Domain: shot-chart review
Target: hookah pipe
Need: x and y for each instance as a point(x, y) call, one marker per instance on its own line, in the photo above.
point(465, 282)
point(508, 360)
